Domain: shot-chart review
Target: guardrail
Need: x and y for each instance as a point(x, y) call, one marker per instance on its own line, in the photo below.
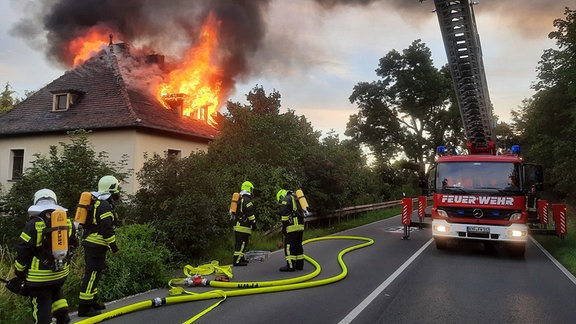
point(354, 210)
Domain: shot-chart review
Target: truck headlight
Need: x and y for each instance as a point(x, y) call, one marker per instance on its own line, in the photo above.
point(441, 228)
point(516, 233)
point(516, 216)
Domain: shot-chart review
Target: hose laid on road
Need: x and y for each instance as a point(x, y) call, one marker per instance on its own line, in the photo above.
point(254, 287)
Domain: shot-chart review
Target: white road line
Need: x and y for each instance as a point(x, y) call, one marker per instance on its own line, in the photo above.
point(560, 266)
point(356, 311)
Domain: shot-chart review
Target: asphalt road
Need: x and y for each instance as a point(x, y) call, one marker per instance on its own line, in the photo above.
point(391, 281)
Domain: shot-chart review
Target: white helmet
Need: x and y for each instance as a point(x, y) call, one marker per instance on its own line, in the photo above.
point(44, 199)
point(108, 184)
point(45, 194)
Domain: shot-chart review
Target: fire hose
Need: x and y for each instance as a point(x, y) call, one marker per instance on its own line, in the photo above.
point(247, 288)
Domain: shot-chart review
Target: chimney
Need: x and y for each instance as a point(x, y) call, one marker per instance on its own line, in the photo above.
point(155, 59)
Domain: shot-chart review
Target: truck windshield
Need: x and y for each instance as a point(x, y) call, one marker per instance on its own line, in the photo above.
point(468, 176)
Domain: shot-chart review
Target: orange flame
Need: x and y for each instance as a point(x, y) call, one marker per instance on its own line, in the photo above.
point(87, 45)
point(196, 82)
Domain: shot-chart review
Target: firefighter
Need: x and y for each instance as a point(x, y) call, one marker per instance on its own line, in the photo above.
point(99, 237)
point(41, 274)
point(244, 223)
point(292, 229)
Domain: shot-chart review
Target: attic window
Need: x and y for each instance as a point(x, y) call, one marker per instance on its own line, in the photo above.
point(63, 100)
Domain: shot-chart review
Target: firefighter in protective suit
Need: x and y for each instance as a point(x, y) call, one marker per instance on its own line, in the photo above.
point(244, 223)
point(99, 237)
point(37, 273)
point(292, 229)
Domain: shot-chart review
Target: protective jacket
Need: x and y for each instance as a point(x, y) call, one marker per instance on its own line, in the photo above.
point(291, 215)
point(101, 231)
point(245, 218)
point(34, 260)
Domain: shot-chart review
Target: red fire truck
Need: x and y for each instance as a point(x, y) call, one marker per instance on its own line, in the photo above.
point(488, 194)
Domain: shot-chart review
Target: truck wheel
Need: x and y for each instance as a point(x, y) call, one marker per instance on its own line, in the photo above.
point(441, 243)
point(516, 249)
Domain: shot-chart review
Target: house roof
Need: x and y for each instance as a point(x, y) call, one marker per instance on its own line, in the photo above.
point(107, 99)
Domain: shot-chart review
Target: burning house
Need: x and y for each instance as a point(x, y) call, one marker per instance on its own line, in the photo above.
point(124, 100)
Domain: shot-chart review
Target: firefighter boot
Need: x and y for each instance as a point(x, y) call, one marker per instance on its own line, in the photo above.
point(287, 268)
point(96, 305)
point(62, 316)
point(299, 264)
point(87, 310)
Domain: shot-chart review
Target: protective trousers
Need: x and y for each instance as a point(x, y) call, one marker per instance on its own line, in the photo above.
point(95, 257)
point(48, 302)
point(293, 250)
point(240, 244)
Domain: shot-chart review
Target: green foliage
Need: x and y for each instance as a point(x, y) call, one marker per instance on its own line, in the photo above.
point(407, 113)
point(68, 170)
point(141, 265)
point(547, 122)
point(6, 98)
point(188, 198)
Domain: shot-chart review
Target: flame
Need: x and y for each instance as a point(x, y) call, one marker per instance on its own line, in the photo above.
point(89, 44)
point(196, 82)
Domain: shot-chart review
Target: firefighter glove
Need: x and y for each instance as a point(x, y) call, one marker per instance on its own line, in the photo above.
point(15, 285)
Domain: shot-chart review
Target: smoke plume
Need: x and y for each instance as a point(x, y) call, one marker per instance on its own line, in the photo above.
point(171, 26)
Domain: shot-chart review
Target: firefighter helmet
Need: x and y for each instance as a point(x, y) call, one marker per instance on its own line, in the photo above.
point(45, 194)
point(108, 184)
point(247, 186)
point(281, 194)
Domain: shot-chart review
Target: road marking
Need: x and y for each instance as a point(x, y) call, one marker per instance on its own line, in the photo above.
point(356, 311)
point(560, 266)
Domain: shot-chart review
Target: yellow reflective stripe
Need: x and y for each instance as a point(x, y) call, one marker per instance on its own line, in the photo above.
point(243, 229)
point(110, 240)
point(87, 295)
point(59, 304)
point(106, 214)
point(19, 266)
point(25, 237)
point(37, 275)
point(35, 309)
point(252, 218)
point(285, 218)
point(294, 228)
point(40, 226)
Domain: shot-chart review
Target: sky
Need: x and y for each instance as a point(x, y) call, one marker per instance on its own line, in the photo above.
point(313, 52)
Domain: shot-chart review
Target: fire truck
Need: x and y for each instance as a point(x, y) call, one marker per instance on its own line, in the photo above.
point(488, 194)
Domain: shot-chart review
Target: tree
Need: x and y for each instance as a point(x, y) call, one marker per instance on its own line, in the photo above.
point(408, 112)
point(7, 100)
point(68, 171)
point(548, 119)
point(188, 198)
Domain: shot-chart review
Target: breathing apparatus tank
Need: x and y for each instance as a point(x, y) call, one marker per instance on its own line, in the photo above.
point(82, 210)
point(234, 203)
point(302, 201)
point(59, 230)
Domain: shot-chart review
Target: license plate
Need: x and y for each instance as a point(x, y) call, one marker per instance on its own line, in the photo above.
point(478, 229)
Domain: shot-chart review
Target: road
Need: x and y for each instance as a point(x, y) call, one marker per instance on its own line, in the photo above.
point(390, 281)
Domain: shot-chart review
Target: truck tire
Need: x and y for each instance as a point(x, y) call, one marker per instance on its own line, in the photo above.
point(441, 243)
point(516, 250)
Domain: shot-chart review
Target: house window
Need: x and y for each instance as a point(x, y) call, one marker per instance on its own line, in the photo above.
point(17, 160)
point(64, 99)
point(174, 154)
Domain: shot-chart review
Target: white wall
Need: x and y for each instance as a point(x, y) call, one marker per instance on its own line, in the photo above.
point(115, 143)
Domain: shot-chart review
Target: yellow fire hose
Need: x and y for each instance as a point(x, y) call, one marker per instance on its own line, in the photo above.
point(254, 287)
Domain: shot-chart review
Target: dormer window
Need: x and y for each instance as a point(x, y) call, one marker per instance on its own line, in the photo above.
point(63, 100)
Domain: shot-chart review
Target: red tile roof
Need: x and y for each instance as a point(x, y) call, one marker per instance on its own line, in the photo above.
point(107, 101)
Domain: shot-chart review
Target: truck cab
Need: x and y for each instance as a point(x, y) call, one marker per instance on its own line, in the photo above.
point(483, 198)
